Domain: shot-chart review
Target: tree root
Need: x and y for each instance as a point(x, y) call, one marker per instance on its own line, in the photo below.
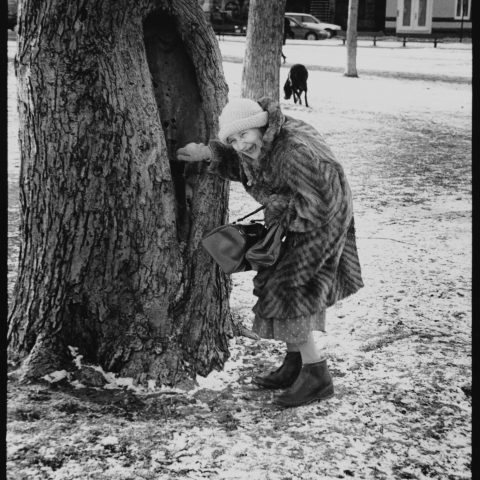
point(240, 330)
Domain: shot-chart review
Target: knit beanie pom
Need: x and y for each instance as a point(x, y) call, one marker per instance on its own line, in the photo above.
point(240, 114)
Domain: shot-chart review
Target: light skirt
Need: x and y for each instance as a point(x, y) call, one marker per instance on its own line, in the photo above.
point(294, 330)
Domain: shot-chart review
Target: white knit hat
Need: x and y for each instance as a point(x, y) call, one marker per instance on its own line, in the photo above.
point(240, 114)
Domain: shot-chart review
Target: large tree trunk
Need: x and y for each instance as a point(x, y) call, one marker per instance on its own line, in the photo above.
point(261, 64)
point(352, 22)
point(110, 260)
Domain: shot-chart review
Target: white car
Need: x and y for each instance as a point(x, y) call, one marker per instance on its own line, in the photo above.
point(311, 21)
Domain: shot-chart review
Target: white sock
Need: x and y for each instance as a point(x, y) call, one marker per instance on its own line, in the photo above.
point(314, 349)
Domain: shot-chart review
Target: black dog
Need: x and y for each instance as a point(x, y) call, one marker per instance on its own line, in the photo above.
point(296, 83)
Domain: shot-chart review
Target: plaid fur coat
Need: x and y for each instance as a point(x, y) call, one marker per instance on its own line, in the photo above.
point(302, 186)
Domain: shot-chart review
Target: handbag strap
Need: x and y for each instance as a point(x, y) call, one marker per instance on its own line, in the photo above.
point(250, 214)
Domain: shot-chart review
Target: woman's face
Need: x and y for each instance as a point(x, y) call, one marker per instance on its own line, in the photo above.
point(249, 142)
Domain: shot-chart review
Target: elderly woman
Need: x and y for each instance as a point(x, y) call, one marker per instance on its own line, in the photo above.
point(286, 166)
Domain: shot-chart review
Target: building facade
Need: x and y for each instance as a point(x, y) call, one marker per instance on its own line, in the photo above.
point(390, 16)
point(429, 16)
point(224, 5)
point(371, 13)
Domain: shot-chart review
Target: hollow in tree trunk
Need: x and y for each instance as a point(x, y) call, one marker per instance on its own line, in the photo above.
point(110, 260)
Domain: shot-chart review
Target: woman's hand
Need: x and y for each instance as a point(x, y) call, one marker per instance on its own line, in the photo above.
point(194, 152)
point(278, 209)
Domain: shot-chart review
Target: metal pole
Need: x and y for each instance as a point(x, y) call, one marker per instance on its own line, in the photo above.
point(461, 27)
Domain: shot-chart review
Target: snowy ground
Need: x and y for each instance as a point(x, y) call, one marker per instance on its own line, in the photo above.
point(400, 350)
point(449, 61)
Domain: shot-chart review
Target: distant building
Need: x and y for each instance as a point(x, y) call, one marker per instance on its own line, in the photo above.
point(394, 16)
point(429, 16)
point(236, 9)
point(235, 6)
point(12, 14)
point(371, 13)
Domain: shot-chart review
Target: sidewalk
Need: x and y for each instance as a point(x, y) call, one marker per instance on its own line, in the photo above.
point(449, 62)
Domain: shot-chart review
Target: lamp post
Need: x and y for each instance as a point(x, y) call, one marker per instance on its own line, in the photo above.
point(461, 27)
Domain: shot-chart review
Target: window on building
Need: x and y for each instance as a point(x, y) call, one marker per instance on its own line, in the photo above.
point(462, 9)
point(422, 13)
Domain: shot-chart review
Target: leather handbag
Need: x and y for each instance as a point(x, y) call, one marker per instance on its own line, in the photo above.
point(228, 244)
point(266, 251)
point(240, 247)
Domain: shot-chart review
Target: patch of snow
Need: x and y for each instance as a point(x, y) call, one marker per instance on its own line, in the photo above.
point(151, 384)
point(56, 376)
point(179, 441)
point(47, 452)
point(77, 384)
point(219, 380)
point(118, 382)
point(77, 359)
point(110, 440)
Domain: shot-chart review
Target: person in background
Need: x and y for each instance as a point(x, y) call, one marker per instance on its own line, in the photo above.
point(287, 30)
point(286, 166)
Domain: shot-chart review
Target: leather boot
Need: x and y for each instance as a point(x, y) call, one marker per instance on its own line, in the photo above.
point(285, 375)
point(313, 383)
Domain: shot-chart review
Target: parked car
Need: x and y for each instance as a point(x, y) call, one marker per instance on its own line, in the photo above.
point(224, 24)
point(311, 21)
point(309, 32)
point(12, 14)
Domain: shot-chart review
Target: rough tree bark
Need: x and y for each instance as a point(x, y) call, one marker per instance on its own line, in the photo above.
point(261, 64)
point(110, 261)
point(352, 22)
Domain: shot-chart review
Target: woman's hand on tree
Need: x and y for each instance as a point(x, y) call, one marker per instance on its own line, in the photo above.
point(194, 152)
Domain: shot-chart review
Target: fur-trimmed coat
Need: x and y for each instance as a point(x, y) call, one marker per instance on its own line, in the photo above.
point(302, 186)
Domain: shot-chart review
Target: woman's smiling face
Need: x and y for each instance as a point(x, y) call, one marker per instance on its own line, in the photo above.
point(249, 142)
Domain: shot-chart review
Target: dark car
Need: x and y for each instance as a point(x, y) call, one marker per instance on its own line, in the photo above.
point(223, 24)
point(309, 32)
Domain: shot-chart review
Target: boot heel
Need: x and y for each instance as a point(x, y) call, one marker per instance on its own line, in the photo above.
point(313, 383)
point(327, 392)
point(284, 376)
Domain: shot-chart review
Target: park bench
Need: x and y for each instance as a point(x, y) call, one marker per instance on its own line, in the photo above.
point(434, 38)
point(412, 37)
point(362, 36)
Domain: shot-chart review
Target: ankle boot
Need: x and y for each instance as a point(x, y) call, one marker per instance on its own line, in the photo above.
point(313, 383)
point(285, 375)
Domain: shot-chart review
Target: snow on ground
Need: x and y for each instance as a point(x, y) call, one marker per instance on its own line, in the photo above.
point(400, 349)
point(449, 61)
